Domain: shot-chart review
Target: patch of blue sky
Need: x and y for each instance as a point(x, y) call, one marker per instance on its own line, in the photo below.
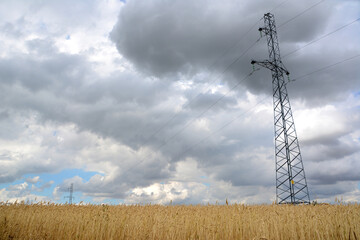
point(57, 179)
point(42, 27)
point(65, 174)
point(68, 37)
point(82, 198)
point(6, 185)
point(78, 198)
point(206, 184)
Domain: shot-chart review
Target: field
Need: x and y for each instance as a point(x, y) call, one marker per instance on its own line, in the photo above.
point(55, 221)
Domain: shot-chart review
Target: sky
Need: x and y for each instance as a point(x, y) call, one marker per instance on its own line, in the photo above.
point(153, 101)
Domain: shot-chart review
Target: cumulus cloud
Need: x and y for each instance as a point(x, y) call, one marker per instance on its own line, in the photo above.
point(167, 41)
point(33, 180)
point(23, 192)
point(140, 93)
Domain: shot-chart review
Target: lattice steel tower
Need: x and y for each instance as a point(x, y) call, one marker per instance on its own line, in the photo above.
point(71, 190)
point(291, 186)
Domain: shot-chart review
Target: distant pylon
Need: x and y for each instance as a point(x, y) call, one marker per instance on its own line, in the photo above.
point(291, 186)
point(71, 190)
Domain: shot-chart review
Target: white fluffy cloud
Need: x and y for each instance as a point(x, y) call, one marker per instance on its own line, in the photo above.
point(138, 94)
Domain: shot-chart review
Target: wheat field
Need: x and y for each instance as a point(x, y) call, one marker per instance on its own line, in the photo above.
point(236, 221)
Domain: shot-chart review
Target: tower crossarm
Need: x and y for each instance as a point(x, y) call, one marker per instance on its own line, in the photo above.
point(271, 66)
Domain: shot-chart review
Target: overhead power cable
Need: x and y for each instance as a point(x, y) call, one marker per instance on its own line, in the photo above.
point(226, 69)
point(209, 107)
point(254, 106)
point(192, 120)
point(222, 127)
point(322, 37)
point(261, 101)
point(216, 78)
point(208, 87)
point(211, 82)
point(233, 45)
point(211, 66)
point(326, 67)
point(282, 3)
point(301, 13)
point(243, 36)
point(229, 66)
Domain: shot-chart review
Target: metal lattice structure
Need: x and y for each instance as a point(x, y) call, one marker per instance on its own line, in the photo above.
point(71, 190)
point(291, 186)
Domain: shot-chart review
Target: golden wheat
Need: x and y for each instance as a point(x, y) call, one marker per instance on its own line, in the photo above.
point(55, 221)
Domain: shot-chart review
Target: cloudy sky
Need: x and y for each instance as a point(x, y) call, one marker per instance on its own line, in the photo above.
point(151, 101)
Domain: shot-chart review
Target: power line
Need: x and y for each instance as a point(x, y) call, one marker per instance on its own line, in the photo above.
point(233, 45)
point(261, 101)
point(246, 33)
point(324, 36)
point(192, 120)
point(222, 127)
point(226, 69)
point(301, 13)
point(278, 5)
point(326, 67)
point(212, 82)
point(208, 87)
point(212, 65)
point(216, 78)
point(191, 100)
point(208, 108)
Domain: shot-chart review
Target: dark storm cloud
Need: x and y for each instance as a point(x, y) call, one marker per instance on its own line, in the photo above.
point(250, 170)
point(182, 44)
point(332, 191)
point(180, 36)
point(334, 177)
point(167, 37)
point(13, 30)
point(318, 152)
point(50, 70)
point(157, 37)
point(62, 88)
point(73, 92)
point(334, 84)
point(4, 115)
point(333, 171)
point(203, 100)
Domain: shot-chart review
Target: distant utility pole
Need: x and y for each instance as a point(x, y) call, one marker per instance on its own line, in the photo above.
point(291, 186)
point(71, 190)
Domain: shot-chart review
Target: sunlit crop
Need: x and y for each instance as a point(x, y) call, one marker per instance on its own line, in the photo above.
point(55, 221)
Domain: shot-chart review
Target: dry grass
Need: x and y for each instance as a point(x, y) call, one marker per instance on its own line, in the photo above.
point(51, 221)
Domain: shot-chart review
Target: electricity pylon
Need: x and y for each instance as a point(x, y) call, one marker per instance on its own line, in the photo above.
point(291, 186)
point(71, 190)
